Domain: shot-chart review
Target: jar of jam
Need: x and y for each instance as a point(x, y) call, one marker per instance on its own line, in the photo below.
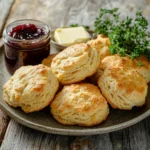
point(26, 42)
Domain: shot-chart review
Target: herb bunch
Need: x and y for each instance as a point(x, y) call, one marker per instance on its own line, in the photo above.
point(128, 37)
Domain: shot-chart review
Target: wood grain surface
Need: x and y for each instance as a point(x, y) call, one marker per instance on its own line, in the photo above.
point(136, 137)
point(4, 120)
point(5, 6)
point(58, 13)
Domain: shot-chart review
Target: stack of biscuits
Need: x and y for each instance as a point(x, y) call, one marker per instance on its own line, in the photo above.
point(90, 78)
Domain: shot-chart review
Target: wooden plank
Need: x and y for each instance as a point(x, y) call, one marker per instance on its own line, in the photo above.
point(136, 137)
point(57, 13)
point(4, 120)
point(28, 139)
point(5, 6)
point(63, 13)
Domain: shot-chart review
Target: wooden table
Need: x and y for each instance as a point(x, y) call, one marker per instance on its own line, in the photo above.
point(56, 13)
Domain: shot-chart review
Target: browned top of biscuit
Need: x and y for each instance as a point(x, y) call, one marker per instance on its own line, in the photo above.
point(127, 79)
point(75, 63)
point(100, 42)
point(82, 97)
point(31, 88)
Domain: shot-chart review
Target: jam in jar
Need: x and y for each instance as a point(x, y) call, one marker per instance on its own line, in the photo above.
point(27, 42)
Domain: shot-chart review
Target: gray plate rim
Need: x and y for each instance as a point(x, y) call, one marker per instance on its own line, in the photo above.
point(77, 132)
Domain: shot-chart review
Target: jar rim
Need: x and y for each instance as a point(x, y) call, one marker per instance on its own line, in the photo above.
point(26, 21)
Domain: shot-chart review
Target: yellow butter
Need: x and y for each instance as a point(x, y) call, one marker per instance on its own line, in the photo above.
point(70, 36)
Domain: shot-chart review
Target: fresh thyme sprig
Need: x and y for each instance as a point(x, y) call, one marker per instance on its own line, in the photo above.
point(128, 36)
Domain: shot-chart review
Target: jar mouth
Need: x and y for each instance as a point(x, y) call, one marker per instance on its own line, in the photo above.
point(45, 27)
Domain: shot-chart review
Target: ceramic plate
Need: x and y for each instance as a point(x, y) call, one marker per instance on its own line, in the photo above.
point(44, 121)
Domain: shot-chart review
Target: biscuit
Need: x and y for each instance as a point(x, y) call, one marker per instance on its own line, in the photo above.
point(144, 70)
point(31, 87)
point(117, 60)
point(79, 104)
point(47, 61)
point(101, 44)
point(75, 63)
point(123, 87)
point(113, 60)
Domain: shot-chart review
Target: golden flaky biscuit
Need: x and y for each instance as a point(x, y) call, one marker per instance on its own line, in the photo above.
point(144, 70)
point(31, 87)
point(75, 63)
point(113, 60)
point(47, 61)
point(123, 87)
point(80, 104)
point(101, 44)
point(116, 60)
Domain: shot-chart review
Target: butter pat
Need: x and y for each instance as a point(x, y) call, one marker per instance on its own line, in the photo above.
point(70, 36)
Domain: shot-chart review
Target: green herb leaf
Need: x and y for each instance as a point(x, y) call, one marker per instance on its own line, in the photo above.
point(128, 37)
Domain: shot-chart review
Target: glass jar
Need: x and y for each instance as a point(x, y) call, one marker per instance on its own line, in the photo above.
point(22, 52)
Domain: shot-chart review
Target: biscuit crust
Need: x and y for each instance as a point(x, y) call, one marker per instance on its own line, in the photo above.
point(113, 60)
point(75, 63)
point(31, 87)
point(117, 60)
point(144, 70)
point(123, 87)
point(101, 44)
point(79, 104)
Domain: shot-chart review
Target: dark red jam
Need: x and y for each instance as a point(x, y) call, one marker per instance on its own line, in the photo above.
point(26, 32)
point(26, 44)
